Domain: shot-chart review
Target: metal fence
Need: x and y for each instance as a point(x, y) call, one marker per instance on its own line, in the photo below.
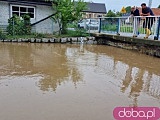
point(126, 26)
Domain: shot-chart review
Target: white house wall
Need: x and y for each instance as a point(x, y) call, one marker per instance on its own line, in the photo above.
point(41, 11)
point(4, 15)
point(47, 26)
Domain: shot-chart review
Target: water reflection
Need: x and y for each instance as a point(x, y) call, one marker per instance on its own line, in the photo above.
point(48, 60)
point(136, 73)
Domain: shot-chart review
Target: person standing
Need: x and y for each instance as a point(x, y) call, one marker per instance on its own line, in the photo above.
point(148, 21)
point(135, 13)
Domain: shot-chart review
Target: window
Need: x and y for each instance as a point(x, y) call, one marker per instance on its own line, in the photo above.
point(99, 15)
point(21, 10)
point(90, 15)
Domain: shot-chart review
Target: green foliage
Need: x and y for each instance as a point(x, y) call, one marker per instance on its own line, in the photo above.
point(39, 35)
point(2, 35)
point(128, 9)
point(19, 26)
point(109, 27)
point(72, 25)
point(124, 28)
point(67, 11)
point(128, 29)
point(119, 14)
point(159, 6)
point(26, 24)
point(77, 33)
point(33, 35)
point(113, 14)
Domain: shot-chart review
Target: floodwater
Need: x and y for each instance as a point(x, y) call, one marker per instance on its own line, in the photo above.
point(74, 82)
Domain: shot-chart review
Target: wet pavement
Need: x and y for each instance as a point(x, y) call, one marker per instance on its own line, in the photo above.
point(74, 82)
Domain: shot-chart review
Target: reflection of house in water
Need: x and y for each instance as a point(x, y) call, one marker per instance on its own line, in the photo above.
point(134, 75)
point(47, 60)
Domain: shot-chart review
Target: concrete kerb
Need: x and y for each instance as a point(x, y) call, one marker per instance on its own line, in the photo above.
point(51, 40)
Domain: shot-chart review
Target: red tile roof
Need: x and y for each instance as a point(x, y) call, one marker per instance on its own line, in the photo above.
point(156, 11)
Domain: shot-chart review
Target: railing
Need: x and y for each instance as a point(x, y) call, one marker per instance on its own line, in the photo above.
point(125, 26)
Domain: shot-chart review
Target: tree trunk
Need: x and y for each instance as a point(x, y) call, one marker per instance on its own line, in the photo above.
point(64, 28)
point(60, 27)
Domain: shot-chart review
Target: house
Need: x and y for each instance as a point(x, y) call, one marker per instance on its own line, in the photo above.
point(39, 10)
point(156, 11)
point(95, 10)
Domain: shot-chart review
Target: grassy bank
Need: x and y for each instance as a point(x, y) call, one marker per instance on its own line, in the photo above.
point(125, 28)
point(70, 33)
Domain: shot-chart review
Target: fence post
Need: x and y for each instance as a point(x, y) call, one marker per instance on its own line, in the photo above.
point(118, 26)
point(13, 27)
point(134, 27)
point(100, 24)
point(158, 30)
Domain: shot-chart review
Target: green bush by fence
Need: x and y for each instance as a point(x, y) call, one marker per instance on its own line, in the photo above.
point(19, 25)
point(2, 35)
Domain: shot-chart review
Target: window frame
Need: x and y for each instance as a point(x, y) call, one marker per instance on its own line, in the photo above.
point(25, 6)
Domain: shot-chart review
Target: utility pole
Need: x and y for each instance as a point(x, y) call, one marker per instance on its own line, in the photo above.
point(150, 3)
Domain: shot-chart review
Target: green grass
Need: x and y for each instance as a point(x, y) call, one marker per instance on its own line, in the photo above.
point(127, 29)
point(76, 33)
point(109, 27)
point(70, 33)
point(34, 35)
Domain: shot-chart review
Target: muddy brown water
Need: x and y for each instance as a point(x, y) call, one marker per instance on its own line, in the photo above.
point(74, 82)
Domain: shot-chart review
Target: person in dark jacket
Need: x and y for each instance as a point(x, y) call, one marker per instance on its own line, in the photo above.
point(148, 22)
point(135, 13)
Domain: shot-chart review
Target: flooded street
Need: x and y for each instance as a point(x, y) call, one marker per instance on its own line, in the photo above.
point(74, 82)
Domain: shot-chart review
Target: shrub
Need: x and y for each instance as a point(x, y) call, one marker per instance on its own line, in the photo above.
point(77, 32)
point(2, 35)
point(19, 25)
point(26, 24)
point(39, 35)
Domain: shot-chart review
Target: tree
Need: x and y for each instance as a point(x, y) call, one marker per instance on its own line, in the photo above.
point(112, 16)
point(159, 6)
point(67, 11)
point(118, 14)
point(111, 13)
point(128, 9)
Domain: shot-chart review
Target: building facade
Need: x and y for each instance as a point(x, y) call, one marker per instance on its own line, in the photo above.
point(94, 10)
point(38, 10)
point(156, 11)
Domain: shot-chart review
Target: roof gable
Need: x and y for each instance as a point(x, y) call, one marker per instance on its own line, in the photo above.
point(96, 8)
point(91, 7)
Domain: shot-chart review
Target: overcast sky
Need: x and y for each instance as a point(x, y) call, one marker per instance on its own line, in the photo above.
point(118, 4)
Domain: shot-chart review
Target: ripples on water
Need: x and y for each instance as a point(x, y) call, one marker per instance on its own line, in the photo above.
point(74, 82)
